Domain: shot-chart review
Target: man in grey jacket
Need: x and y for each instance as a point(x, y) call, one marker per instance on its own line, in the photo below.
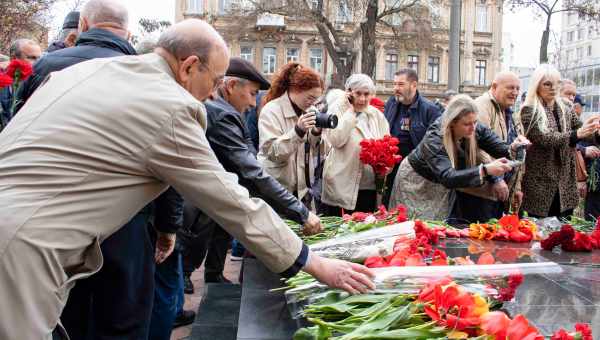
point(72, 174)
point(230, 140)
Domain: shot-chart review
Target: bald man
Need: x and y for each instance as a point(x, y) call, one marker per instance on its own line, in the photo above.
point(97, 143)
point(495, 111)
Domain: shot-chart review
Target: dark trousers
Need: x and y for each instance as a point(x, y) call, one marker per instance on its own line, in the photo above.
point(555, 209)
point(468, 209)
point(116, 302)
point(209, 244)
point(365, 202)
point(168, 296)
point(592, 205)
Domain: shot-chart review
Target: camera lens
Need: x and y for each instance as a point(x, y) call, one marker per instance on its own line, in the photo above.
point(326, 121)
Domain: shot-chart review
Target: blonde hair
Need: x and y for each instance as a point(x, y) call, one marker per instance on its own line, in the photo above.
point(534, 101)
point(457, 108)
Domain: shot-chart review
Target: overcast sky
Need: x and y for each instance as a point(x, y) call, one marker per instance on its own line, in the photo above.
point(524, 28)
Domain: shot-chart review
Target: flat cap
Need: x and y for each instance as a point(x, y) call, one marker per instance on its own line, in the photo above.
point(241, 68)
point(71, 20)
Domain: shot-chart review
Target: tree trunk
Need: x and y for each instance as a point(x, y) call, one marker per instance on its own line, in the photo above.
point(544, 42)
point(368, 38)
point(343, 70)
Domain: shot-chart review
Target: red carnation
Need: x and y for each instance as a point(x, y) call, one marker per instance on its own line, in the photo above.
point(552, 241)
point(566, 233)
point(5, 80)
point(585, 331)
point(562, 335)
point(582, 242)
point(19, 69)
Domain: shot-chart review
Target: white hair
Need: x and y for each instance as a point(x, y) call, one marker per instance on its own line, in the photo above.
point(539, 117)
point(106, 11)
point(360, 81)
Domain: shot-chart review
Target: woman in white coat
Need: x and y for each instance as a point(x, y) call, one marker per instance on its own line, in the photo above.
point(347, 183)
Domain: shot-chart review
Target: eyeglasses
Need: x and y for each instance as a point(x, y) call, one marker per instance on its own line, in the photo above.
point(217, 80)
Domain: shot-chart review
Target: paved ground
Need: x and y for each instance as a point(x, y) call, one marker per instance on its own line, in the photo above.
point(232, 269)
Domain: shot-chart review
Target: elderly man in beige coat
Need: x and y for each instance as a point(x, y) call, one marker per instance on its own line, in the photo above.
point(98, 142)
point(495, 112)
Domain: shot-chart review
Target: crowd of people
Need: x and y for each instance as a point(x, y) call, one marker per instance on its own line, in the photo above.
point(123, 170)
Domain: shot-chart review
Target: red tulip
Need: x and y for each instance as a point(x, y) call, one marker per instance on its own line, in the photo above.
point(495, 323)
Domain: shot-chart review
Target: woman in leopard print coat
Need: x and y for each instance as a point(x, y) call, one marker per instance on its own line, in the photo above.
point(549, 183)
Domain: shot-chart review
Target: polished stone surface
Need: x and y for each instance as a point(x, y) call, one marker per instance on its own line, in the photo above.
point(549, 301)
point(218, 312)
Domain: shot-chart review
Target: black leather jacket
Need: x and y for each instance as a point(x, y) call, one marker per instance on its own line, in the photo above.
point(430, 160)
point(230, 140)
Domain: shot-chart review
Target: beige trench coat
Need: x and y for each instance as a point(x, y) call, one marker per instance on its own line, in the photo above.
point(90, 148)
point(281, 150)
point(343, 168)
point(491, 115)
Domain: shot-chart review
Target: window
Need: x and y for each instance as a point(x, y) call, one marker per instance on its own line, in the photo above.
point(482, 18)
point(413, 62)
point(570, 36)
point(195, 6)
point(579, 53)
point(433, 70)
point(580, 34)
point(589, 51)
point(597, 76)
point(391, 65)
point(314, 4)
point(292, 55)
point(590, 77)
point(343, 12)
point(269, 60)
point(316, 59)
point(246, 53)
point(480, 67)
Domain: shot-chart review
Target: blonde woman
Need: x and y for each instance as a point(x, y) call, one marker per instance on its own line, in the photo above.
point(347, 183)
point(446, 159)
point(549, 184)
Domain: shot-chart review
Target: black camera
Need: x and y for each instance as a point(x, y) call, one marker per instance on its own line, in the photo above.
point(324, 120)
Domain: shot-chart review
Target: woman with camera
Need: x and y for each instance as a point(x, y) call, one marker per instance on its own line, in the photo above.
point(446, 159)
point(347, 183)
point(289, 141)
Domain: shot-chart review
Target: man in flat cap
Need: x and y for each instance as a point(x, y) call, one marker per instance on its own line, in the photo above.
point(68, 33)
point(230, 140)
point(97, 143)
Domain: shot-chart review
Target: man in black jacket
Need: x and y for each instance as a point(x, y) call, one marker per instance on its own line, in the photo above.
point(230, 140)
point(116, 302)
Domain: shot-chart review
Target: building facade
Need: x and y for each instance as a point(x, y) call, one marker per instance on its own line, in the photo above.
point(270, 41)
point(579, 57)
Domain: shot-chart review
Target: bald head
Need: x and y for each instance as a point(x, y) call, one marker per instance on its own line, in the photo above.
point(505, 89)
point(111, 12)
point(192, 37)
point(197, 55)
